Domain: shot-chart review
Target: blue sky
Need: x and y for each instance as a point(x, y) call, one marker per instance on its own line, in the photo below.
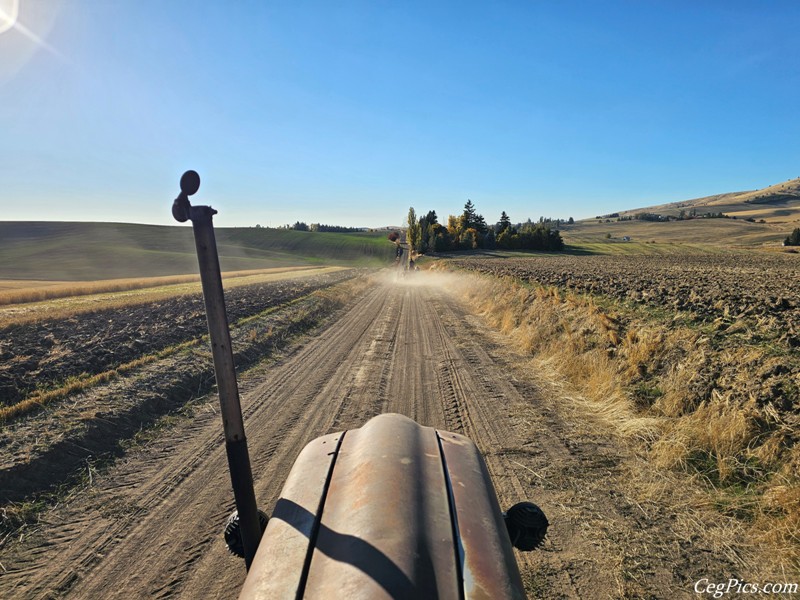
point(350, 112)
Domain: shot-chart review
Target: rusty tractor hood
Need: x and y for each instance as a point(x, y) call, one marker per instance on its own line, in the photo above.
point(390, 510)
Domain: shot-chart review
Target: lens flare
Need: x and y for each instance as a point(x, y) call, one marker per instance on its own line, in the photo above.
point(9, 11)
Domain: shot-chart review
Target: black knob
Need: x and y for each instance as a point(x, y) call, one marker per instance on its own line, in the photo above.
point(527, 525)
point(190, 183)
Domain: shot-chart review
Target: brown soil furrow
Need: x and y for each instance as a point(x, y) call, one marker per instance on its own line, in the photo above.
point(123, 407)
point(759, 288)
point(46, 353)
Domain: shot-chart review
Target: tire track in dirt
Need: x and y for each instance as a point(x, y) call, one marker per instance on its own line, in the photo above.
point(412, 389)
point(603, 543)
point(281, 404)
point(334, 372)
point(481, 396)
point(470, 395)
point(475, 396)
point(285, 404)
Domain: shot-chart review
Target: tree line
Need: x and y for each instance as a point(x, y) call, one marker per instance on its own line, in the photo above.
point(657, 218)
point(469, 231)
point(302, 226)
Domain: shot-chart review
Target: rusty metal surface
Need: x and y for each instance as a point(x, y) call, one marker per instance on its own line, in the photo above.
point(279, 566)
point(488, 565)
point(386, 529)
point(388, 521)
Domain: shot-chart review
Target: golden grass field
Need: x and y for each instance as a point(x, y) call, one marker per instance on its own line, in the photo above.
point(20, 291)
point(778, 203)
point(23, 305)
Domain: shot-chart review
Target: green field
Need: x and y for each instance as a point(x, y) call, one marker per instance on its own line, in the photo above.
point(66, 251)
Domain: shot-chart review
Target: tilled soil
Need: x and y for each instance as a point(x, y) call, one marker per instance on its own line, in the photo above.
point(46, 353)
point(150, 526)
point(757, 286)
point(54, 447)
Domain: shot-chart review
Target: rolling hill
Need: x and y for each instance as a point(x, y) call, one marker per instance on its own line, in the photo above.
point(760, 218)
point(779, 203)
point(76, 251)
point(67, 251)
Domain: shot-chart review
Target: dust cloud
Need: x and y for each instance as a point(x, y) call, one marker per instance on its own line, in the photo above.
point(443, 281)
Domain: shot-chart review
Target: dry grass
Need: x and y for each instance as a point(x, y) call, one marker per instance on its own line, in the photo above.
point(19, 284)
point(686, 403)
point(22, 292)
point(674, 237)
point(68, 306)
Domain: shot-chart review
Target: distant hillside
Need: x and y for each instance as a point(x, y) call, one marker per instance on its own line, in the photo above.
point(88, 251)
point(754, 218)
point(779, 203)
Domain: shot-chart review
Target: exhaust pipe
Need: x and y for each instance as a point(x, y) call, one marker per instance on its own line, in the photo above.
point(235, 441)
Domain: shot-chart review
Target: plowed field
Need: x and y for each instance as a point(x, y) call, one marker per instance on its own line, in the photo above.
point(44, 353)
point(764, 288)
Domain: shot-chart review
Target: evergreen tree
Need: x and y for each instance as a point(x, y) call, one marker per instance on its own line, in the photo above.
point(505, 223)
point(480, 224)
point(441, 243)
point(472, 220)
point(470, 239)
point(469, 215)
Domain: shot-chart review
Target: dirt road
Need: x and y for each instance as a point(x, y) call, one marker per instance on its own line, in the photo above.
point(150, 526)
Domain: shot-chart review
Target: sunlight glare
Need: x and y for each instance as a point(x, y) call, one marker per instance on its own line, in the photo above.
point(9, 11)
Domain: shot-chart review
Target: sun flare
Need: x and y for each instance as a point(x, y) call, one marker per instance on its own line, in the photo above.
point(9, 19)
point(9, 11)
